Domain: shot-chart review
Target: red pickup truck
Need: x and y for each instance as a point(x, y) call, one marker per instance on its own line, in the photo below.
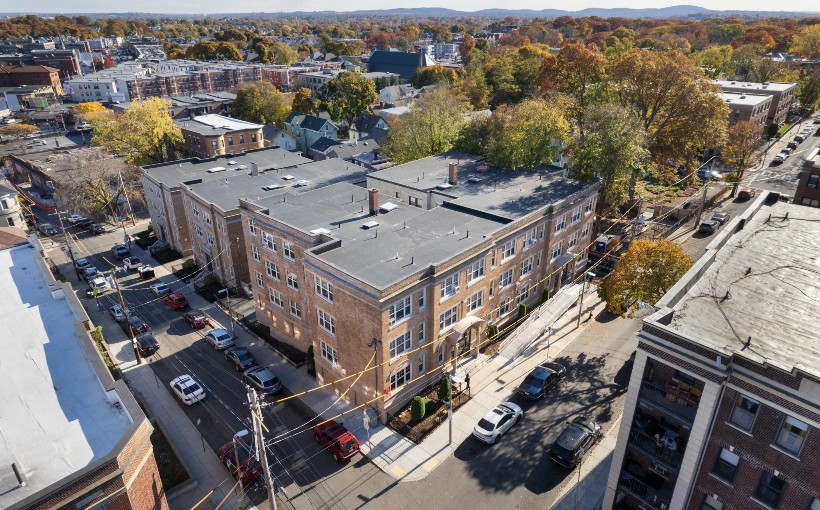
point(337, 439)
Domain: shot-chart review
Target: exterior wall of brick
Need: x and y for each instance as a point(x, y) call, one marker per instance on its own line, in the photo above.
point(206, 146)
point(168, 218)
point(808, 188)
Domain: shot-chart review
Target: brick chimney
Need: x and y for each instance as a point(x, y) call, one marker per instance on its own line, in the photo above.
point(452, 177)
point(254, 169)
point(373, 201)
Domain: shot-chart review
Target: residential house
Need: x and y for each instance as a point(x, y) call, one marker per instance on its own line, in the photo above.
point(782, 95)
point(723, 406)
point(315, 80)
point(163, 183)
point(212, 135)
point(277, 137)
point(309, 128)
point(11, 214)
point(367, 125)
point(414, 268)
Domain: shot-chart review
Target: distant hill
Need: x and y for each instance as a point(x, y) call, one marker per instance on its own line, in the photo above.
point(674, 11)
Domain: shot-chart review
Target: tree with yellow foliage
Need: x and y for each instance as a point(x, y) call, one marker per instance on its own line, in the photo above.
point(87, 111)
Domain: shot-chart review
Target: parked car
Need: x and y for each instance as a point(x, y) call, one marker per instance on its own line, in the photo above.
point(799, 137)
point(82, 264)
point(337, 439)
point(99, 284)
point(241, 357)
point(89, 273)
point(176, 301)
point(146, 272)
point(196, 319)
point(793, 144)
point(780, 158)
point(495, 423)
point(30, 218)
point(118, 314)
point(130, 263)
point(47, 229)
point(708, 227)
point(263, 380)
point(160, 289)
point(238, 457)
point(84, 224)
point(745, 193)
point(543, 378)
point(146, 344)
point(96, 229)
point(120, 251)
point(721, 217)
point(137, 325)
point(817, 120)
point(158, 247)
point(187, 389)
point(75, 218)
point(575, 441)
point(220, 339)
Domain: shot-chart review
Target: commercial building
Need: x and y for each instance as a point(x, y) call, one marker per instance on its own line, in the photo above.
point(782, 95)
point(408, 273)
point(163, 185)
point(66, 61)
point(14, 76)
point(723, 406)
point(212, 135)
point(71, 436)
point(751, 108)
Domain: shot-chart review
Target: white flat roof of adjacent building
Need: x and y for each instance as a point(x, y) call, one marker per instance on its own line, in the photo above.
point(773, 86)
point(736, 98)
point(229, 123)
point(55, 417)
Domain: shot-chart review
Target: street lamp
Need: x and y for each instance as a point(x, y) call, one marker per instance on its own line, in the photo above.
point(587, 276)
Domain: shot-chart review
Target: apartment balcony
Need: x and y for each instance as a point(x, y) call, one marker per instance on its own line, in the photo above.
point(647, 495)
point(666, 459)
point(673, 399)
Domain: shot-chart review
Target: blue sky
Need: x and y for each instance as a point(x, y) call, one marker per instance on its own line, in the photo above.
point(216, 6)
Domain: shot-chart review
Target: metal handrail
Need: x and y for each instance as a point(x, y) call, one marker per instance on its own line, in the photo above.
point(646, 443)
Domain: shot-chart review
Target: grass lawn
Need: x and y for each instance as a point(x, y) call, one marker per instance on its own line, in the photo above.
point(171, 471)
point(783, 129)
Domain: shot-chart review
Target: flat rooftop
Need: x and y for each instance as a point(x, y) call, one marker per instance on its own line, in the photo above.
point(60, 160)
point(212, 124)
point(773, 86)
point(173, 173)
point(56, 418)
point(226, 192)
point(769, 269)
point(407, 240)
point(510, 194)
point(735, 98)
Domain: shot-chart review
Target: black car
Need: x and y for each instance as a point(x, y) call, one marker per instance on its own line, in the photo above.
point(541, 380)
point(96, 229)
point(241, 358)
point(84, 224)
point(47, 229)
point(120, 251)
point(708, 227)
point(137, 325)
point(575, 441)
point(146, 344)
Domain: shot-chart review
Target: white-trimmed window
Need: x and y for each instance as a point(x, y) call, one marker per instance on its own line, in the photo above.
point(475, 270)
point(255, 253)
point(328, 353)
point(710, 503)
point(475, 301)
point(585, 231)
point(324, 289)
point(400, 377)
point(401, 344)
point(588, 208)
point(195, 210)
point(576, 215)
point(295, 310)
point(792, 434)
point(726, 465)
point(251, 227)
point(530, 239)
point(206, 218)
point(526, 267)
point(449, 287)
point(199, 232)
point(421, 368)
point(293, 281)
point(508, 249)
point(210, 240)
point(504, 308)
point(400, 310)
point(441, 354)
point(492, 258)
point(268, 242)
point(272, 270)
point(538, 260)
point(557, 250)
point(505, 279)
point(422, 297)
point(492, 289)
point(260, 280)
point(327, 322)
point(287, 250)
point(560, 223)
point(275, 297)
point(421, 333)
point(744, 413)
point(448, 318)
point(573, 240)
point(525, 294)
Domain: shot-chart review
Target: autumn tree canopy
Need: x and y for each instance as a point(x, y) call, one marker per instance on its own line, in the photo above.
point(262, 103)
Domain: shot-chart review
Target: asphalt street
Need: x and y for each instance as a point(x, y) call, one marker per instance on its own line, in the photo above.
point(783, 178)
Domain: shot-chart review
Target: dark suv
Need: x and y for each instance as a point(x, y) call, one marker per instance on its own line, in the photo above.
point(146, 344)
point(575, 441)
point(541, 380)
point(263, 380)
point(241, 358)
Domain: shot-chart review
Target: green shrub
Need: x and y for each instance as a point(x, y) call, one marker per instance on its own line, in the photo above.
point(492, 331)
point(545, 295)
point(418, 408)
point(444, 389)
point(522, 311)
point(309, 359)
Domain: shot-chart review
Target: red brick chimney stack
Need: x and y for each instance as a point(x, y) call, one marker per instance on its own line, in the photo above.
point(453, 174)
point(373, 201)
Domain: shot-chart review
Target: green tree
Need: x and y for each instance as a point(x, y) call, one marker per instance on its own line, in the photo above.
point(303, 101)
point(210, 50)
point(262, 103)
point(526, 135)
point(430, 127)
point(348, 95)
point(444, 389)
point(716, 61)
point(275, 52)
point(644, 273)
point(418, 408)
point(808, 91)
point(432, 75)
point(740, 150)
point(807, 41)
point(144, 134)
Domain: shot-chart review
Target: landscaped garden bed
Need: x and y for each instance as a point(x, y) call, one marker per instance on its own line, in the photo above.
point(435, 414)
point(171, 470)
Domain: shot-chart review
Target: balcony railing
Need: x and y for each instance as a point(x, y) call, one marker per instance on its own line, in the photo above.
point(681, 406)
point(643, 492)
point(666, 456)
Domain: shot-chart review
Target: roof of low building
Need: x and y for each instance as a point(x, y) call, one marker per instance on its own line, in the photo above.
point(323, 143)
point(311, 122)
point(735, 98)
point(773, 86)
point(30, 68)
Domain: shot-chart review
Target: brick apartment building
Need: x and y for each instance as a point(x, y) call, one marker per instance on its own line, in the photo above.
point(67, 62)
point(14, 76)
point(751, 108)
point(71, 436)
point(723, 407)
point(212, 207)
point(409, 272)
point(212, 135)
point(808, 187)
point(163, 185)
point(782, 95)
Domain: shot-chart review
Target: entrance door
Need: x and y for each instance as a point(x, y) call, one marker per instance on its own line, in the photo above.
point(464, 342)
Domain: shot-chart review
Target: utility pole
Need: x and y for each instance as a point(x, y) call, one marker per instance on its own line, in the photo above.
point(67, 244)
point(239, 474)
point(127, 200)
point(262, 456)
point(127, 320)
point(637, 219)
point(702, 204)
point(581, 304)
point(450, 407)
